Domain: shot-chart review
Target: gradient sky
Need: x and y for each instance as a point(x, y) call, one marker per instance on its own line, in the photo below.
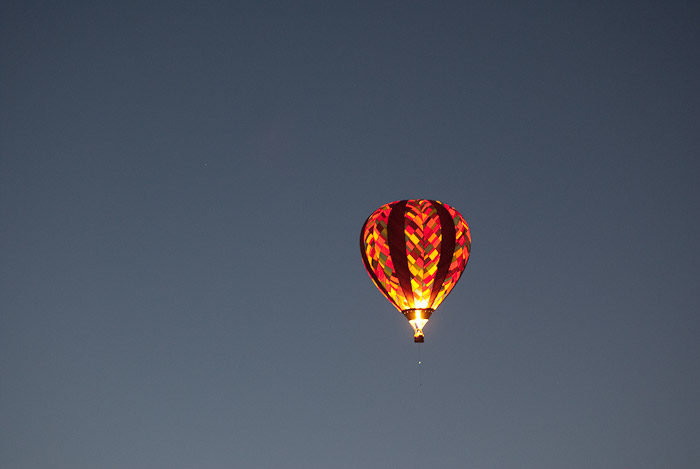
point(182, 186)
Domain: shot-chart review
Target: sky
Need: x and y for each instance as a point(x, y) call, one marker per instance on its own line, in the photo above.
point(182, 187)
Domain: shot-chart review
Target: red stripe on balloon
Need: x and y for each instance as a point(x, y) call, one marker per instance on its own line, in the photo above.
point(396, 238)
point(447, 248)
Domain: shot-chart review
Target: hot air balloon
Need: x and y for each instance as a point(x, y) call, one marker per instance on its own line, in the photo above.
point(415, 251)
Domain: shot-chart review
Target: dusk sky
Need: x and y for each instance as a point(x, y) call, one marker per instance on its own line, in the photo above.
point(182, 188)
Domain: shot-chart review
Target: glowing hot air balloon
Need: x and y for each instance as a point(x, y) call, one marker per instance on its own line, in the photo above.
point(415, 252)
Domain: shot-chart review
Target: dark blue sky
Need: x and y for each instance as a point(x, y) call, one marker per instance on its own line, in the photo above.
point(182, 186)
